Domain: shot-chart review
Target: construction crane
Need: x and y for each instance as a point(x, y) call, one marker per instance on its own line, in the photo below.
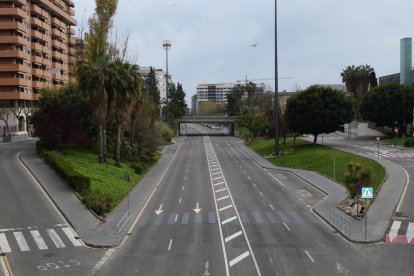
point(266, 79)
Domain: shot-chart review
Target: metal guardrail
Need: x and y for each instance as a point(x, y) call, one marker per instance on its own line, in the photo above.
point(208, 119)
point(340, 222)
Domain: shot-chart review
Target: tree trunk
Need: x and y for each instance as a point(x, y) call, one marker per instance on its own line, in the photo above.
point(104, 148)
point(118, 146)
point(100, 139)
point(315, 137)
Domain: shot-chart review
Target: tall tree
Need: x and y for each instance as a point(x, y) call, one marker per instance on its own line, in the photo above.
point(92, 71)
point(250, 89)
point(317, 110)
point(237, 92)
point(176, 105)
point(151, 87)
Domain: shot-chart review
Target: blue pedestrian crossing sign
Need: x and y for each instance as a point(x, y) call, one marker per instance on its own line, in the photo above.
point(367, 192)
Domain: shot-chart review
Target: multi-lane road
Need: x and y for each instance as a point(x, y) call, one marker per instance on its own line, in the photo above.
point(215, 212)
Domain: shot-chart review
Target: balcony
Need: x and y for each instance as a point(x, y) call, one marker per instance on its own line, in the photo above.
point(13, 68)
point(41, 73)
point(37, 22)
point(14, 82)
point(71, 31)
point(18, 96)
point(36, 9)
point(56, 9)
point(41, 36)
point(70, 3)
point(14, 12)
point(14, 40)
point(14, 54)
point(39, 84)
point(13, 26)
point(39, 47)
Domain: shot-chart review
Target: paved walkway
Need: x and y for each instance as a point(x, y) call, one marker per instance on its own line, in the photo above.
point(91, 230)
point(380, 212)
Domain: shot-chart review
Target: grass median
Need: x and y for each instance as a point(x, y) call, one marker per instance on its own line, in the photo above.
point(318, 158)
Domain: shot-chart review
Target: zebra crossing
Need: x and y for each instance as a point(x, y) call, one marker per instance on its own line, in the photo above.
point(392, 155)
point(246, 217)
point(37, 239)
point(401, 232)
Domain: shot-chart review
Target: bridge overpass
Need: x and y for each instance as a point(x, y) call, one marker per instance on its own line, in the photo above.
point(224, 120)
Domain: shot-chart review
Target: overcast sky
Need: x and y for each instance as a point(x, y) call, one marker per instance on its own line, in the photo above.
point(211, 38)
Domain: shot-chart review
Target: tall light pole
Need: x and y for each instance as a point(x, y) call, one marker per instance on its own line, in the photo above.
point(167, 45)
point(276, 153)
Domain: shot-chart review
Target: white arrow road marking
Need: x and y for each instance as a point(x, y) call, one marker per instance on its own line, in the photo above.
point(410, 232)
point(396, 224)
point(341, 269)
point(197, 209)
point(159, 211)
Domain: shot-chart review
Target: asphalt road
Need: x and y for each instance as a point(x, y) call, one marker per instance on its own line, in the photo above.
point(34, 236)
point(251, 221)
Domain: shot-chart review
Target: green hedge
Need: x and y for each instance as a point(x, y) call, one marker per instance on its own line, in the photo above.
point(409, 142)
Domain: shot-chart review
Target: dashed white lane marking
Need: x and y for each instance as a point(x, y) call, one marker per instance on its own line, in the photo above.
point(287, 227)
point(310, 257)
point(228, 220)
point(218, 191)
point(225, 208)
point(261, 194)
point(254, 185)
point(4, 245)
point(176, 218)
point(182, 188)
point(170, 244)
point(71, 236)
point(220, 183)
point(179, 202)
point(239, 258)
point(21, 241)
point(235, 235)
point(38, 240)
point(55, 238)
point(271, 207)
point(224, 197)
point(248, 177)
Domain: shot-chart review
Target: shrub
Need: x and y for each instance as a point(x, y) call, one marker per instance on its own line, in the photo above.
point(139, 167)
point(409, 142)
point(98, 202)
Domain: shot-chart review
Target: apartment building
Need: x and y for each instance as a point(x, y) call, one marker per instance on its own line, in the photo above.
point(37, 46)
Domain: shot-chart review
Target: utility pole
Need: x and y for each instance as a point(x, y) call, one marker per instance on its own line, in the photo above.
point(276, 153)
point(167, 45)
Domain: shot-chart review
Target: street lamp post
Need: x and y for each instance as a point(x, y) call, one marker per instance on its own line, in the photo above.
point(276, 153)
point(166, 44)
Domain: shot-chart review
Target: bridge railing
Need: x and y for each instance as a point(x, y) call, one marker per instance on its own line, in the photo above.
point(209, 118)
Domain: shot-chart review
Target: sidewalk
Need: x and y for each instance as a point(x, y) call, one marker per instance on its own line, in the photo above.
point(92, 231)
point(379, 213)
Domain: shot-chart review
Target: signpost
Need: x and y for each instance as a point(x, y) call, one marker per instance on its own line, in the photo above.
point(367, 193)
point(378, 139)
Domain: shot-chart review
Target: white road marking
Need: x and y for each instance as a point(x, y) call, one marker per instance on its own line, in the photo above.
point(261, 194)
point(4, 245)
point(102, 261)
point(220, 183)
point(287, 227)
point(215, 169)
point(55, 238)
point(218, 191)
point(239, 258)
point(244, 171)
point(341, 269)
point(216, 173)
point(394, 229)
point(220, 177)
point(248, 177)
point(176, 218)
point(170, 244)
point(185, 178)
point(69, 233)
point(21, 241)
point(179, 201)
point(228, 220)
point(225, 208)
point(182, 188)
point(271, 206)
point(410, 232)
point(38, 240)
point(310, 257)
point(224, 197)
point(254, 185)
point(235, 235)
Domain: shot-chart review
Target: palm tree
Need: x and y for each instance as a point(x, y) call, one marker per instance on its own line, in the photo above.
point(238, 94)
point(251, 89)
point(126, 85)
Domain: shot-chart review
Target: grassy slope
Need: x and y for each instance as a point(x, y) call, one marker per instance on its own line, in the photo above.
point(317, 158)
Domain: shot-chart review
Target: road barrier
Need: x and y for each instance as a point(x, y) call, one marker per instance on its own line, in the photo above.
point(340, 222)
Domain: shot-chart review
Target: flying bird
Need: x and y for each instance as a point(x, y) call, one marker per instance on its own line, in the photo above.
point(173, 5)
point(253, 45)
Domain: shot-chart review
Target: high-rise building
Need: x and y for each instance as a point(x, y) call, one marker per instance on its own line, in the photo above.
point(36, 48)
point(406, 76)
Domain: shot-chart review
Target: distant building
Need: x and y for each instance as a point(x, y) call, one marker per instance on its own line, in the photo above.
point(392, 78)
point(194, 105)
point(160, 76)
point(406, 76)
point(283, 98)
point(217, 92)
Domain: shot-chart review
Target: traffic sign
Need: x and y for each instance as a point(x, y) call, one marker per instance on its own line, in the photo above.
point(367, 192)
point(358, 187)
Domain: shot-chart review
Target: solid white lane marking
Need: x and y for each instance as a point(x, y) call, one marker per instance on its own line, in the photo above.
point(4, 245)
point(102, 261)
point(239, 258)
point(21, 241)
point(235, 235)
point(170, 244)
point(228, 220)
point(287, 227)
point(261, 194)
point(310, 257)
point(225, 208)
point(410, 232)
point(218, 191)
point(38, 240)
point(224, 197)
point(220, 183)
point(55, 238)
point(394, 229)
point(271, 206)
point(71, 236)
